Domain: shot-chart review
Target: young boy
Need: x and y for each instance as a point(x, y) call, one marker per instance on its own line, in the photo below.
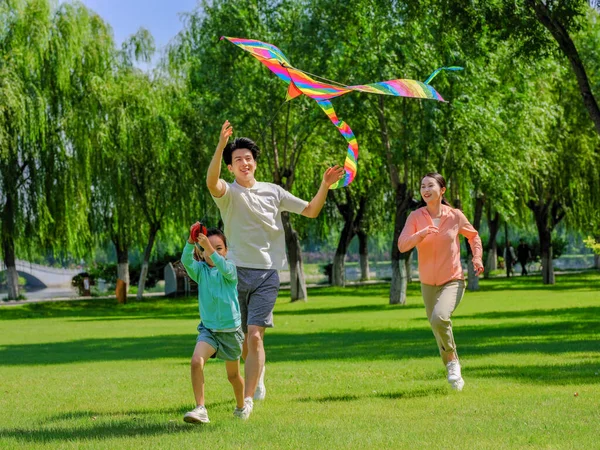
point(251, 211)
point(220, 334)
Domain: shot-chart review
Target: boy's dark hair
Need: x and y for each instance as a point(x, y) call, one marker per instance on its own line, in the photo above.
point(216, 232)
point(240, 143)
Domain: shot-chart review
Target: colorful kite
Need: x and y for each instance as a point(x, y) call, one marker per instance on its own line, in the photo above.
point(300, 82)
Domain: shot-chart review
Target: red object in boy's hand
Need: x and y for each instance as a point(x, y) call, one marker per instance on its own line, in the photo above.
point(196, 229)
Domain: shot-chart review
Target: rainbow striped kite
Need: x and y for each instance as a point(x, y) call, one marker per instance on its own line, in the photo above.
point(300, 82)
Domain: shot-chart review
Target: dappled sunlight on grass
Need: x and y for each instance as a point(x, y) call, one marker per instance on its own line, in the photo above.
point(344, 369)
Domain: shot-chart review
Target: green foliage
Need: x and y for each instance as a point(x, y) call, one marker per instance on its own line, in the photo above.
point(594, 244)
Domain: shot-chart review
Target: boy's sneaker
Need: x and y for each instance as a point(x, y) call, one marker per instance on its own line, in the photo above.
point(197, 415)
point(261, 390)
point(454, 376)
point(244, 412)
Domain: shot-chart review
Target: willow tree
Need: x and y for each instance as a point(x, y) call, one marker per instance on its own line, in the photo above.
point(146, 151)
point(50, 57)
point(112, 215)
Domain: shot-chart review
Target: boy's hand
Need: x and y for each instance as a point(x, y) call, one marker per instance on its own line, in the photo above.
point(226, 132)
point(333, 175)
point(205, 244)
point(195, 230)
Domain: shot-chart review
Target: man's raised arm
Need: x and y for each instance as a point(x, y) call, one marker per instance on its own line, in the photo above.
point(213, 181)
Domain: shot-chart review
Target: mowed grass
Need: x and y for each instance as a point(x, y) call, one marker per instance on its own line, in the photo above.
point(345, 370)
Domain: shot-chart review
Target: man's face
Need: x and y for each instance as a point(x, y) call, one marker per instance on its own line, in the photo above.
point(242, 165)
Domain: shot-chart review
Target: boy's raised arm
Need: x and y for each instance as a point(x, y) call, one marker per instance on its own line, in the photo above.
point(213, 180)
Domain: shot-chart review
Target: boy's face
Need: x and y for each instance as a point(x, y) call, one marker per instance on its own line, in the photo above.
point(219, 246)
point(242, 165)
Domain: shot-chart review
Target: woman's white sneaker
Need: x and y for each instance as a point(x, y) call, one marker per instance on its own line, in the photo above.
point(454, 375)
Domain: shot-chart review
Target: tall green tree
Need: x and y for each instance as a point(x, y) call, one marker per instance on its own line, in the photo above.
point(50, 58)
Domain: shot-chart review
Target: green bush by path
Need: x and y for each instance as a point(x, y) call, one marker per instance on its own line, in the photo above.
point(345, 370)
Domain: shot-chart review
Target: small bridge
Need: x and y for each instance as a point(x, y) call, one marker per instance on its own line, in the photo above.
point(43, 276)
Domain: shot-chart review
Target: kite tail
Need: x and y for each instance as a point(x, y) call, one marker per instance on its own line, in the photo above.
point(350, 164)
point(435, 72)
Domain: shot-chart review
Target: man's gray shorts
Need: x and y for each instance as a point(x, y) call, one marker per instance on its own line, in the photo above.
point(228, 344)
point(257, 292)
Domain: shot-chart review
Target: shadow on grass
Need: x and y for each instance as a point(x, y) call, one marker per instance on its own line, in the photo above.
point(415, 393)
point(554, 338)
point(348, 309)
point(116, 429)
point(582, 314)
point(187, 308)
point(134, 414)
point(560, 374)
point(587, 280)
point(106, 309)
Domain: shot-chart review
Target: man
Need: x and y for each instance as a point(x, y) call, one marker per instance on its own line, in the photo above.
point(251, 212)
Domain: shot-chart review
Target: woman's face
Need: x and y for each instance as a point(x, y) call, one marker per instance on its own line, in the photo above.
point(431, 190)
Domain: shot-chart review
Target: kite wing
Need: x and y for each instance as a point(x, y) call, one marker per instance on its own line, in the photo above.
point(300, 82)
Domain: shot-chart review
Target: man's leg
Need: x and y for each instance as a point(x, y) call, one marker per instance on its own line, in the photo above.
point(254, 356)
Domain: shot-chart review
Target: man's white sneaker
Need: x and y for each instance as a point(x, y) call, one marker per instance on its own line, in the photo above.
point(454, 376)
point(261, 390)
point(197, 415)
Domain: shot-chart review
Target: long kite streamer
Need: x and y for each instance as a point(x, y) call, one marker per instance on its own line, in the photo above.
point(300, 82)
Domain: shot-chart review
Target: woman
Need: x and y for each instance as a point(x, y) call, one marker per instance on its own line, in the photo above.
point(434, 230)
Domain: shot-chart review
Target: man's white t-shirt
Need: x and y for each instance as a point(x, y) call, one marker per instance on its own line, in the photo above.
point(253, 227)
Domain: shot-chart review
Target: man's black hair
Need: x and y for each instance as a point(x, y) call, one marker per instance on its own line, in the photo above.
point(240, 143)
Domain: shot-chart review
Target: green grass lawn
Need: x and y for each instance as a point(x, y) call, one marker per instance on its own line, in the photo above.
point(345, 370)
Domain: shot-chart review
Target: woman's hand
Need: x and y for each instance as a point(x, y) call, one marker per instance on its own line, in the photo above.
point(478, 266)
point(429, 230)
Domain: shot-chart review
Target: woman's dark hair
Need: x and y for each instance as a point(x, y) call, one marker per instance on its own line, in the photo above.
point(240, 143)
point(441, 183)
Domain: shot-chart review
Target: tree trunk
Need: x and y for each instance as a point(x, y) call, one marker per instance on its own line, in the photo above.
point(363, 251)
point(597, 261)
point(147, 252)
point(492, 259)
point(399, 275)
point(545, 236)
point(8, 246)
point(12, 277)
point(339, 260)
point(123, 265)
point(547, 215)
point(408, 263)
point(294, 254)
point(568, 48)
point(472, 279)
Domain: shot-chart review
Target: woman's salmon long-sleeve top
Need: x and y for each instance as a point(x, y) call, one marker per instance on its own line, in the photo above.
point(439, 254)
